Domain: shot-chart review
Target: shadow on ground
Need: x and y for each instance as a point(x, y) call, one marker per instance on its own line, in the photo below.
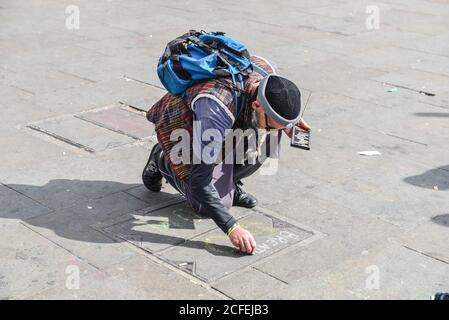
point(442, 220)
point(73, 223)
point(437, 178)
point(432, 114)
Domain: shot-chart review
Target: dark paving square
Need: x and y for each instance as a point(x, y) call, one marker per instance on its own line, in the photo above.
point(120, 119)
point(211, 256)
point(155, 230)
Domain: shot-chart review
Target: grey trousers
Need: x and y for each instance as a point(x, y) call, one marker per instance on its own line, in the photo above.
point(240, 171)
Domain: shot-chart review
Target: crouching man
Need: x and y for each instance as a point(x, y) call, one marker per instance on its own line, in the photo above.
point(206, 116)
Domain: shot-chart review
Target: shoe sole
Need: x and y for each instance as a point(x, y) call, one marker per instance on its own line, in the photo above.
point(243, 206)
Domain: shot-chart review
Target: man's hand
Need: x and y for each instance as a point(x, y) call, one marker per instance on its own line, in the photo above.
point(302, 124)
point(243, 240)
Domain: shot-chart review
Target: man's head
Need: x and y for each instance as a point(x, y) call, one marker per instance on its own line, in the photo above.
point(278, 104)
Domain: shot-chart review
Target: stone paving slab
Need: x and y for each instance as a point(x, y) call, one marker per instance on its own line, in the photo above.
point(437, 45)
point(135, 71)
point(71, 232)
point(441, 100)
point(143, 104)
point(269, 194)
point(364, 42)
point(32, 40)
point(390, 272)
point(132, 42)
point(346, 10)
point(417, 80)
point(329, 75)
point(430, 239)
point(425, 131)
point(391, 188)
point(152, 198)
point(301, 56)
point(322, 23)
point(348, 140)
point(107, 206)
point(387, 95)
point(121, 120)
point(91, 211)
point(249, 284)
point(392, 58)
point(428, 24)
point(53, 194)
point(95, 69)
point(376, 92)
point(92, 176)
point(210, 257)
point(17, 148)
point(31, 263)
point(70, 228)
point(14, 103)
point(42, 80)
point(134, 278)
point(90, 96)
point(355, 175)
point(97, 30)
point(423, 6)
point(16, 205)
point(81, 134)
point(341, 223)
point(368, 179)
point(142, 193)
point(38, 69)
point(84, 193)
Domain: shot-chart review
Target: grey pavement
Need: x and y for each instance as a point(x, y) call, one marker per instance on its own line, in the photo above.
point(76, 222)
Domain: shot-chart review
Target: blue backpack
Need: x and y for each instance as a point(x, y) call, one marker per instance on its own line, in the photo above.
point(198, 56)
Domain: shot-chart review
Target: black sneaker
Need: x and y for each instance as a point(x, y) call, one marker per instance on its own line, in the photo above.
point(243, 199)
point(151, 177)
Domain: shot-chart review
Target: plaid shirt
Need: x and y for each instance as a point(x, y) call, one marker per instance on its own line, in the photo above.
point(174, 112)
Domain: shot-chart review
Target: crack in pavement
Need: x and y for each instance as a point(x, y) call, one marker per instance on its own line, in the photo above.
point(425, 254)
point(407, 88)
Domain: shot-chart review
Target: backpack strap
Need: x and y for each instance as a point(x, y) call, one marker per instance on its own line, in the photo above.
point(239, 94)
point(259, 70)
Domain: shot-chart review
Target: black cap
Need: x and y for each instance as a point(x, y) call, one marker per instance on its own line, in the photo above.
point(281, 99)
